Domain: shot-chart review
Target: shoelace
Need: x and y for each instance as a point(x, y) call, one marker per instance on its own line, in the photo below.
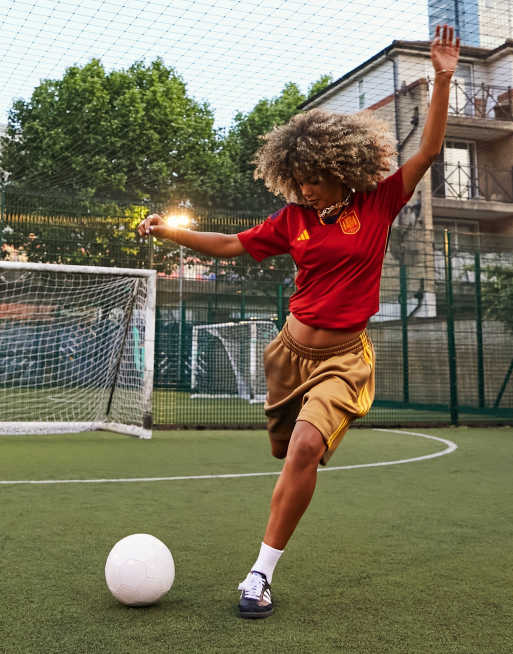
point(252, 585)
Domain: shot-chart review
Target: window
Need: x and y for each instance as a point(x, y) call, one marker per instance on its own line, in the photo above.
point(459, 170)
point(461, 96)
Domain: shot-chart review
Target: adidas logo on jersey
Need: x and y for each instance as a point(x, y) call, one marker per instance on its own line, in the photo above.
point(304, 236)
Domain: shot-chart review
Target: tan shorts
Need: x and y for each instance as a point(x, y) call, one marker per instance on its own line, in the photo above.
point(328, 387)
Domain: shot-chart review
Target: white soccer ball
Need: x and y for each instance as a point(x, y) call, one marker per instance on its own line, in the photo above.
point(139, 570)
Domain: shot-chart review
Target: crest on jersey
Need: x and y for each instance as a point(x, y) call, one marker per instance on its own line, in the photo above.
point(349, 223)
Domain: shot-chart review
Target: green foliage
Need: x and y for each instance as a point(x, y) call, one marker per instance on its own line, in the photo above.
point(135, 134)
point(109, 240)
point(122, 135)
point(497, 291)
point(319, 85)
point(241, 191)
point(244, 139)
point(89, 155)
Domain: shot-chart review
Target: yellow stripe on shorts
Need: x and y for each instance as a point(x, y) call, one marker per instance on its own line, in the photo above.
point(346, 420)
point(364, 401)
point(367, 350)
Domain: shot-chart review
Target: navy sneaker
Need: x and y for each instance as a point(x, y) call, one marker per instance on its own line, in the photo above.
point(255, 598)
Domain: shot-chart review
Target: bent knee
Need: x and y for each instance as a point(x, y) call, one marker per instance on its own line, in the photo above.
point(305, 453)
point(307, 446)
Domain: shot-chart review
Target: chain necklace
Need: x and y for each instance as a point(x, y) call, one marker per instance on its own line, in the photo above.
point(338, 205)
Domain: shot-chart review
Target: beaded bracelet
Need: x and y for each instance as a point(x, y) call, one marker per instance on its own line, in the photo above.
point(444, 70)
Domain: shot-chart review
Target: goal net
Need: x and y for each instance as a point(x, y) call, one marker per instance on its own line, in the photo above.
point(227, 359)
point(76, 349)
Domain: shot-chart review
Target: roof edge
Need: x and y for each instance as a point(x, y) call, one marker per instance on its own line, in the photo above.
point(420, 46)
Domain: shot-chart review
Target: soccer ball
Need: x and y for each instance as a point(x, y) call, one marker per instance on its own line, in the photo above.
point(139, 570)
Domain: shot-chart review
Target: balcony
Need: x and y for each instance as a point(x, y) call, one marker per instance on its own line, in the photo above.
point(476, 192)
point(479, 111)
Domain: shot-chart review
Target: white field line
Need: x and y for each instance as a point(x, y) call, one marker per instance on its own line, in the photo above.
point(450, 448)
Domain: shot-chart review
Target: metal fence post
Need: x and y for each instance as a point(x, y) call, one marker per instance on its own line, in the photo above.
point(451, 343)
point(242, 301)
point(503, 387)
point(279, 301)
point(479, 331)
point(181, 313)
point(3, 213)
point(150, 252)
point(216, 281)
point(181, 330)
point(403, 299)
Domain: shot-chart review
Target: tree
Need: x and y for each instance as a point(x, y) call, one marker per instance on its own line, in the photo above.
point(122, 135)
point(107, 240)
point(497, 292)
point(240, 190)
point(111, 145)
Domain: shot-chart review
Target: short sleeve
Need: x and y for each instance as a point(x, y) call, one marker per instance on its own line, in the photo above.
point(390, 196)
point(268, 238)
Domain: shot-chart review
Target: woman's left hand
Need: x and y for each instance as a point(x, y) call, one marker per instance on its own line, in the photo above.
point(445, 51)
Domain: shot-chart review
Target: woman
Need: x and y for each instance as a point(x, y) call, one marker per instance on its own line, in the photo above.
point(320, 368)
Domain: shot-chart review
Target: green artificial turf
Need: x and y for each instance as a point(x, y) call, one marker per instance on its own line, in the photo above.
point(410, 558)
point(179, 408)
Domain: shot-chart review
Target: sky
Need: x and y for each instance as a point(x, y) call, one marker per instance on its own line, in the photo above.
point(230, 53)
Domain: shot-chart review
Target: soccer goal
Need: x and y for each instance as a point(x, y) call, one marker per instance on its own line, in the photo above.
point(227, 359)
point(76, 349)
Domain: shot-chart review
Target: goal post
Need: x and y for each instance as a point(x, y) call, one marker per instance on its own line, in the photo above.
point(76, 348)
point(227, 359)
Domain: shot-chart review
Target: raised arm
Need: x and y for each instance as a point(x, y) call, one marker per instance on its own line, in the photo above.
point(444, 56)
point(213, 243)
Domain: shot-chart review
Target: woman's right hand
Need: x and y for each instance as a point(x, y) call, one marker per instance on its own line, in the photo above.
point(212, 243)
point(153, 224)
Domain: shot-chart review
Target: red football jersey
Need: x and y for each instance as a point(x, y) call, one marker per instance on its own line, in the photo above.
point(339, 264)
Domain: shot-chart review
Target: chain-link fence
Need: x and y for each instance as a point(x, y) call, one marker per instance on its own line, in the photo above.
point(443, 333)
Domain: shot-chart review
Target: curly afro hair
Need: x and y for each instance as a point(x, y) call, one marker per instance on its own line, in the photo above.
point(356, 148)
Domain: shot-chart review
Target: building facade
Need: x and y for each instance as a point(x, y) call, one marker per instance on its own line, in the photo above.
point(469, 189)
point(479, 23)
point(472, 181)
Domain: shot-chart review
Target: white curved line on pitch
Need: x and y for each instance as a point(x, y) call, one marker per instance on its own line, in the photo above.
point(450, 448)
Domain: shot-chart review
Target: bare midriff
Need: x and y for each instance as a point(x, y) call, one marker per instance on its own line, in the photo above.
point(317, 336)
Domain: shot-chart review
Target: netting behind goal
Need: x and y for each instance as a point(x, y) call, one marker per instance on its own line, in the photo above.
point(227, 359)
point(76, 349)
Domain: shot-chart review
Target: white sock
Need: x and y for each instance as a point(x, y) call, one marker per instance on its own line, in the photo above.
point(267, 560)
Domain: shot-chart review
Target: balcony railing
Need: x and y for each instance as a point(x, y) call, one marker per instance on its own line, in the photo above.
point(479, 100)
point(471, 182)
